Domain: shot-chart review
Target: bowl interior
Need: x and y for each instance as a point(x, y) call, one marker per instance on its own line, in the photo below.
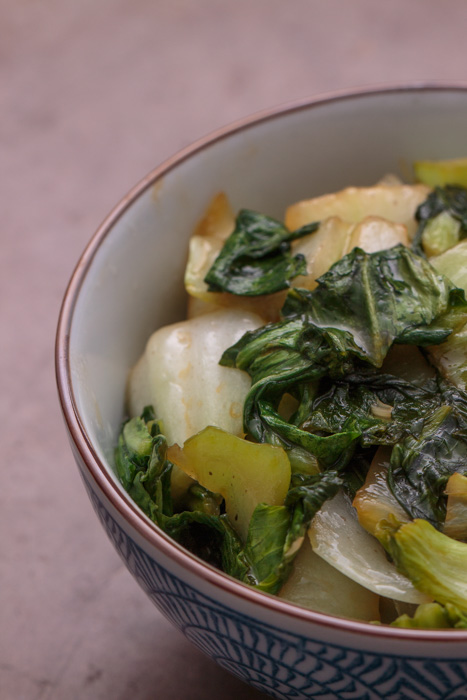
point(130, 280)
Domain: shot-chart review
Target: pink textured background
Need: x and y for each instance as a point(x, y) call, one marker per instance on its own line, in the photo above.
point(93, 95)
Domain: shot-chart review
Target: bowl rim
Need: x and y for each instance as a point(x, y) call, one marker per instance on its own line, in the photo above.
point(96, 469)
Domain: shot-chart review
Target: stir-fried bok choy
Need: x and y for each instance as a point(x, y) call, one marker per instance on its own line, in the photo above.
point(305, 428)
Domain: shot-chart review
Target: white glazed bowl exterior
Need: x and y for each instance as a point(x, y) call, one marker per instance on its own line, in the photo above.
point(129, 282)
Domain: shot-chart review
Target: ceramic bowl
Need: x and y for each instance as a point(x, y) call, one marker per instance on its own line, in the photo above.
point(129, 281)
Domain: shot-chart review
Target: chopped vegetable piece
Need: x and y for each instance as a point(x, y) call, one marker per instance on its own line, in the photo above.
point(338, 538)
point(441, 233)
point(374, 501)
point(433, 616)
point(336, 237)
point(206, 242)
point(180, 376)
point(256, 257)
point(374, 233)
point(396, 203)
point(451, 201)
point(321, 249)
point(146, 475)
point(316, 584)
point(435, 173)
point(436, 563)
point(205, 245)
point(245, 473)
point(453, 264)
point(450, 358)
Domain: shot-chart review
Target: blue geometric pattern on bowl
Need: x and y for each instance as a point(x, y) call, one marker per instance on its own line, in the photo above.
point(276, 662)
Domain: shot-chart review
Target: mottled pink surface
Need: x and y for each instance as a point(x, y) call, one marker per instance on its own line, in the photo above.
point(93, 95)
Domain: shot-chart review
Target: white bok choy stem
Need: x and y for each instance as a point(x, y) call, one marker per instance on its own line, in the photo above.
point(337, 537)
point(317, 585)
point(180, 376)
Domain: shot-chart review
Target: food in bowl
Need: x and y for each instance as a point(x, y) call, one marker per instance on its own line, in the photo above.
point(305, 429)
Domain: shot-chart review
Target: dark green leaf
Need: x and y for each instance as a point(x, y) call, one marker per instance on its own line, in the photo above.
point(379, 298)
point(360, 307)
point(421, 465)
point(451, 198)
point(358, 402)
point(145, 473)
point(275, 532)
point(256, 258)
point(331, 451)
point(209, 537)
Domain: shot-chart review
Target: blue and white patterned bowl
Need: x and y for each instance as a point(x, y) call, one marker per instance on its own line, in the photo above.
point(128, 282)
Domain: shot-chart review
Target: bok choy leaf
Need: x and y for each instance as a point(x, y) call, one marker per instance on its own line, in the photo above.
point(363, 304)
point(144, 471)
point(420, 465)
point(256, 258)
point(382, 408)
point(275, 533)
point(436, 563)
